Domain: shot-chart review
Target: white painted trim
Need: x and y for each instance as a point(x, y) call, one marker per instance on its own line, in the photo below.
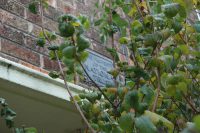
point(198, 15)
point(37, 81)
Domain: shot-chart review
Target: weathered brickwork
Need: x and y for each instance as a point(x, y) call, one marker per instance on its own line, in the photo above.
point(19, 29)
point(20, 52)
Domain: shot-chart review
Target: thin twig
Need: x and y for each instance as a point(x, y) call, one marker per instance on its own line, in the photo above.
point(191, 105)
point(105, 96)
point(71, 96)
point(138, 8)
point(158, 90)
point(180, 109)
point(63, 76)
point(148, 6)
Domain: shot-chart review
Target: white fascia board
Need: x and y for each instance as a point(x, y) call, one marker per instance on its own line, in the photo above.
point(32, 79)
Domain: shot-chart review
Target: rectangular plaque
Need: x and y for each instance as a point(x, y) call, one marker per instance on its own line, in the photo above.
point(97, 67)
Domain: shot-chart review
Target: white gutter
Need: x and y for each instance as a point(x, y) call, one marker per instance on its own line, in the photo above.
point(37, 81)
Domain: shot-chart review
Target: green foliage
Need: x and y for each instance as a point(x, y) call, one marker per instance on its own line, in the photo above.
point(54, 74)
point(66, 29)
point(33, 8)
point(82, 43)
point(164, 72)
point(41, 42)
point(161, 90)
point(171, 10)
point(9, 115)
point(126, 122)
point(144, 125)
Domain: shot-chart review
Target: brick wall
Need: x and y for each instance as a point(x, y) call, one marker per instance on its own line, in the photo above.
point(19, 29)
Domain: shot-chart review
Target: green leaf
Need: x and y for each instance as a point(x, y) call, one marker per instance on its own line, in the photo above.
point(123, 40)
point(126, 122)
point(136, 27)
point(144, 125)
point(76, 24)
point(98, 22)
point(114, 53)
point(66, 29)
point(145, 51)
point(171, 90)
point(137, 72)
point(69, 52)
point(165, 34)
point(173, 80)
point(114, 73)
point(31, 130)
point(167, 59)
point(185, 7)
point(131, 100)
point(182, 86)
point(133, 11)
point(19, 130)
point(54, 74)
point(82, 43)
point(155, 118)
point(164, 78)
point(197, 26)
point(86, 105)
point(51, 36)
point(177, 26)
point(83, 56)
point(10, 112)
point(152, 39)
point(117, 130)
point(197, 122)
point(68, 62)
point(41, 41)
point(171, 10)
point(184, 49)
point(148, 21)
point(53, 47)
point(148, 93)
point(33, 7)
point(119, 21)
point(94, 126)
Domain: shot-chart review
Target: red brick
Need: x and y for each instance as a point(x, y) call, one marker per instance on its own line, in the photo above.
point(52, 13)
point(66, 7)
point(31, 43)
point(101, 50)
point(13, 7)
point(24, 1)
point(50, 25)
point(11, 34)
point(52, 3)
point(13, 20)
point(49, 64)
point(33, 67)
point(9, 57)
point(20, 52)
point(34, 29)
point(35, 18)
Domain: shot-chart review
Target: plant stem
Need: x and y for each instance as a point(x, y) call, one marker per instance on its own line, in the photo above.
point(105, 96)
point(191, 105)
point(71, 96)
point(148, 6)
point(179, 109)
point(158, 90)
point(138, 9)
point(63, 76)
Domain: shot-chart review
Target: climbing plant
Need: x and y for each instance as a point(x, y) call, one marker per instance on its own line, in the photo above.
point(8, 115)
point(162, 81)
